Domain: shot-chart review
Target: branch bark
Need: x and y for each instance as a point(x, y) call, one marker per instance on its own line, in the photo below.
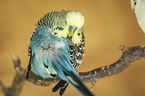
point(129, 55)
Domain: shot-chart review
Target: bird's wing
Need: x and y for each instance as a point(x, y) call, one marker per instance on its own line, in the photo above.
point(51, 57)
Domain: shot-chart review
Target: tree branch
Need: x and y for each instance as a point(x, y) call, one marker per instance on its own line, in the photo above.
point(18, 80)
point(129, 55)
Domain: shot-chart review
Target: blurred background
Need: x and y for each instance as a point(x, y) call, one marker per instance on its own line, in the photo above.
point(108, 24)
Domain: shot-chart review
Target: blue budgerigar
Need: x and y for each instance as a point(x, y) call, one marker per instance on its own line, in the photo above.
point(57, 47)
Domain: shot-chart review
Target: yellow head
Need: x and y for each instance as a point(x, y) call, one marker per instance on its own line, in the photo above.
point(75, 20)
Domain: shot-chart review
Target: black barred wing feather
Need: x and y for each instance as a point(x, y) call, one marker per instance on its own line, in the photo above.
point(48, 20)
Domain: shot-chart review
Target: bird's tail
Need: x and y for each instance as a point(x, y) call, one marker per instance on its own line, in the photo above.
point(67, 73)
point(76, 81)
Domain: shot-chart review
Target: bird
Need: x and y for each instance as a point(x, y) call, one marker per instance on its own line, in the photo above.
point(66, 25)
point(138, 7)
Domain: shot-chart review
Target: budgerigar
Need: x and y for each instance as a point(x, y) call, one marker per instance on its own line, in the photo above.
point(67, 25)
point(138, 7)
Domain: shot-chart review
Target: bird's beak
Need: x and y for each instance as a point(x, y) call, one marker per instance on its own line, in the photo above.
point(71, 31)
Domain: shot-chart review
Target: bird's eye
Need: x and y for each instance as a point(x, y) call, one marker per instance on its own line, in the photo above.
point(79, 34)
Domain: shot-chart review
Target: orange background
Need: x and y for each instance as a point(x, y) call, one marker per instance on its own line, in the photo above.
point(108, 24)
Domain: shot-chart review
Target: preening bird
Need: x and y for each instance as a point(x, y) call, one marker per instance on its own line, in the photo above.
point(138, 7)
point(57, 49)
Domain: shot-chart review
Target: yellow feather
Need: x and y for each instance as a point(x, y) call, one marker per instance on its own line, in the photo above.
point(61, 33)
point(75, 18)
point(72, 81)
point(76, 39)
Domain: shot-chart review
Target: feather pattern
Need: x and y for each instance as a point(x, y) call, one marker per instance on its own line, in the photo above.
point(45, 46)
point(51, 58)
point(58, 19)
point(58, 22)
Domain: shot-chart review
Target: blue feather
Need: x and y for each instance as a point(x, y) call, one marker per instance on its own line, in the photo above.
point(51, 58)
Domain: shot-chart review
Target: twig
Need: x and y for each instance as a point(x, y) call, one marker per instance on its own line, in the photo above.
point(18, 80)
point(129, 54)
